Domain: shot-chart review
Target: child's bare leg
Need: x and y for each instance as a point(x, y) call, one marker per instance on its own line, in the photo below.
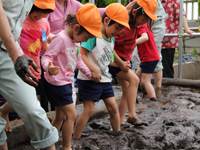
point(122, 103)
point(4, 112)
point(146, 81)
point(158, 79)
point(82, 120)
point(130, 91)
point(4, 146)
point(67, 128)
point(114, 113)
point(58, 119)
point(52, 147)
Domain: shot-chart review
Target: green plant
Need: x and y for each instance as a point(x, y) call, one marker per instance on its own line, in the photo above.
point(199, 9)
point(194, 51)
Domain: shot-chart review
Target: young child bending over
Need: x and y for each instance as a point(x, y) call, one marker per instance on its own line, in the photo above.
point(32, 40)
point(142, 11)
point(59, 62)
point(149, 56)
point(97, 55)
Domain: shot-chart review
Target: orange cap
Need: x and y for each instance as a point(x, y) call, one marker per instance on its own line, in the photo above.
point(45, 4)
point(149, 6)
point(118, 13)
point(89, 17)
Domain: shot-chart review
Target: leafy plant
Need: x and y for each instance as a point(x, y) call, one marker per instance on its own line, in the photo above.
point(194, 52)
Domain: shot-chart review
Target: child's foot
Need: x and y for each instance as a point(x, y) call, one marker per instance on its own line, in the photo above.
point(136, 121)
point(8, 126)
point(153, 99)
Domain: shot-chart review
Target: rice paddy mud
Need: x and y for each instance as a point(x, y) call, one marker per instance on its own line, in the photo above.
point(173, 123)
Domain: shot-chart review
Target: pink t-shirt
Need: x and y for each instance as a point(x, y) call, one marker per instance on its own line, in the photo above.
point(147, 51)
point(125, 42)
point(31, 40)
point(63, 52)
point(59, 15)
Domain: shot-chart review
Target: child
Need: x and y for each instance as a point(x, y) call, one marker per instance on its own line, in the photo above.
point(59, 62)
point(142, 11)
point(149, 56)
point(97, 55)
point(33, 38)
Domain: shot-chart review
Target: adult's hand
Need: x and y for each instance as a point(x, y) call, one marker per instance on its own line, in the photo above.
point(22, 64)
point(130, 5)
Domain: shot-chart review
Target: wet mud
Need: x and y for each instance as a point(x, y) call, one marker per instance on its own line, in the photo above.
point(173, 123)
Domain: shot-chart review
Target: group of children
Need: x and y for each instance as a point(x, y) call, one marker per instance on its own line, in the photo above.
point(106, 47)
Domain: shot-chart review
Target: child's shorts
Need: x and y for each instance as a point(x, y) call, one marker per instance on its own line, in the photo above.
point(58, 95)
point(148, 67)
point(90, 90)
point(115, 70)
point(37, 89)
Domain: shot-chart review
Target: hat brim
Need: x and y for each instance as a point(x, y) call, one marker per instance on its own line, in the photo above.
point(153, 17)
point(44, 5)
point(123, 23)
point(95, 33)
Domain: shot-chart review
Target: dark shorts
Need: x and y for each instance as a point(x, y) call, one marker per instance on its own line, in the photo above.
point(37, 89)
point(148, 67)
point(89, 90)
point(58, 95)
point(114, 70)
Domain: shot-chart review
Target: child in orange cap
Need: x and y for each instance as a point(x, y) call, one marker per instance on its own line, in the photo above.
point(98, 54)
point(59, 62)
point(33, 40)
point(142, 11)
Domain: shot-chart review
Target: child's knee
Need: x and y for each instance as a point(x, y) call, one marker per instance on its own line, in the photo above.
point(113, 109)
point(90, 111)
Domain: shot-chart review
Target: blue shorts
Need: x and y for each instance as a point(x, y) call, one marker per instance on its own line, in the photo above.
point(58, 95)
point(114, 70)
point(37, 89)
point(148, 67)
point(90, 90)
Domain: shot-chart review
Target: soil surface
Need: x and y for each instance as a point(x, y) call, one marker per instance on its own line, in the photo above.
point(173, 123)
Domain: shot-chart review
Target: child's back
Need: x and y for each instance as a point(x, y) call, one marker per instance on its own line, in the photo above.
point(147, 51)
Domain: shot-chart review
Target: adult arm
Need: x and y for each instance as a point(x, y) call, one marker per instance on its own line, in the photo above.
point(186, 27)
point(21, 61)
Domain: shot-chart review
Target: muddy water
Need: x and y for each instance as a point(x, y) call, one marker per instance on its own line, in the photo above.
point(174, 123)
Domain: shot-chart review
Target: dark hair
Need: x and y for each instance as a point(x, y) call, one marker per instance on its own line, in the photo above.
point(140, 11)
point(111, 21)
point(35, 8)
point(71, 21)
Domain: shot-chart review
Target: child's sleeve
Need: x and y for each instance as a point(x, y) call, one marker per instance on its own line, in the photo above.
point(90, 44)
point(141, 29)
point(53, 50)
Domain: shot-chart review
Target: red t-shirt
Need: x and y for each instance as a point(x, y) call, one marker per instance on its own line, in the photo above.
point(125, 42)
point(147, 51)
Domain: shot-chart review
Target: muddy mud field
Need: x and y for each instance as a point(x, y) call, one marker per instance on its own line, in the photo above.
point(173, 123)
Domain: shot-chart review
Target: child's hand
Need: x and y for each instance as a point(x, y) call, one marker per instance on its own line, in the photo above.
point(53, 70)
point(96, 75)
point(125, 66)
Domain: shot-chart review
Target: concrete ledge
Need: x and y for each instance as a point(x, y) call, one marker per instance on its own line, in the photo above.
point(190, 70)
